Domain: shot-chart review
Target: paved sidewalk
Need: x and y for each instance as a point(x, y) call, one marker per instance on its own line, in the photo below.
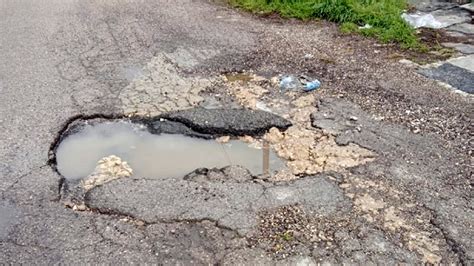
point(457, 72)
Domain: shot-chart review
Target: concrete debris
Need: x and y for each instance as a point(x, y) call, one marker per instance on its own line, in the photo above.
point(108, 168)
point(307, 150)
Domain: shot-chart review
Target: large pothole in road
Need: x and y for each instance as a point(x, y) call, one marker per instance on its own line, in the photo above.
point(157, 155)
point(172, 168)
point(169, 147)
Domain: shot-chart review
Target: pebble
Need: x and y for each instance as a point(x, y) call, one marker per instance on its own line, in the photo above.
point(80, 207)
point(223, 139)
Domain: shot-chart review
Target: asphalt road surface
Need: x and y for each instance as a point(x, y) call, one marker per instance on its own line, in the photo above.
point(61, 59)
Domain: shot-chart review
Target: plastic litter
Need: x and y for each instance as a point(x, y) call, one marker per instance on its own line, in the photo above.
point(302, 82)
point(289, 83)
point(423, 20)
point(366, 26)
point(313, 85)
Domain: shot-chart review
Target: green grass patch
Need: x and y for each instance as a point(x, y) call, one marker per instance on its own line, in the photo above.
point(286, 236)
point(384, 16)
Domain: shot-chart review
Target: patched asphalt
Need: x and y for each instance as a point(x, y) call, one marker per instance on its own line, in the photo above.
point(460, 78)
point(232, 205)
point(237, 122)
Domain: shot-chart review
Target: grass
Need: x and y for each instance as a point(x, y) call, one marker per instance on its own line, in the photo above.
point(382, 15)
point(287, 236)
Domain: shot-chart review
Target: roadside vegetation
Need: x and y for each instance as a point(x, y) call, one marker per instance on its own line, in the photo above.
point(375, 18)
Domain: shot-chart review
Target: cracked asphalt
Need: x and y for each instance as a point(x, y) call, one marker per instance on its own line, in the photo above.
point(410, 203)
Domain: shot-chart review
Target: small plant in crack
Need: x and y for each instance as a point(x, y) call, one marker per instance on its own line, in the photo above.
point(287, 236)
point(282, 231)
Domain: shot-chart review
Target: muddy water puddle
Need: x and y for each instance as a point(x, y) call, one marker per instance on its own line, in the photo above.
point(156, 156)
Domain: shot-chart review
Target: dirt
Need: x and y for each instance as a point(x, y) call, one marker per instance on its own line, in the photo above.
point(432, 40)
point(434, 37)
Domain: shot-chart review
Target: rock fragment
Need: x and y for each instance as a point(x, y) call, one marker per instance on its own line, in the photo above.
point(107, 169)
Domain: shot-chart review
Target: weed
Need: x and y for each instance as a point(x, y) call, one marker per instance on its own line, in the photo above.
point(383, 16)
point(287, 236)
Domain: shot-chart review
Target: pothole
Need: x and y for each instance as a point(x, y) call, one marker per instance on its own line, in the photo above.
point(156, 156)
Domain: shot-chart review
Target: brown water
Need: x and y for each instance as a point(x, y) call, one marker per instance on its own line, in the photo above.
point(156, 156)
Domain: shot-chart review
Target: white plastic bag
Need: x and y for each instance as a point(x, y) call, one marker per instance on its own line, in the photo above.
point(421, 20)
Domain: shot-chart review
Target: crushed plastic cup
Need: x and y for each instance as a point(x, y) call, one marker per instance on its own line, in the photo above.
point(289, 83)
point(301, 82)
point(313, 85)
